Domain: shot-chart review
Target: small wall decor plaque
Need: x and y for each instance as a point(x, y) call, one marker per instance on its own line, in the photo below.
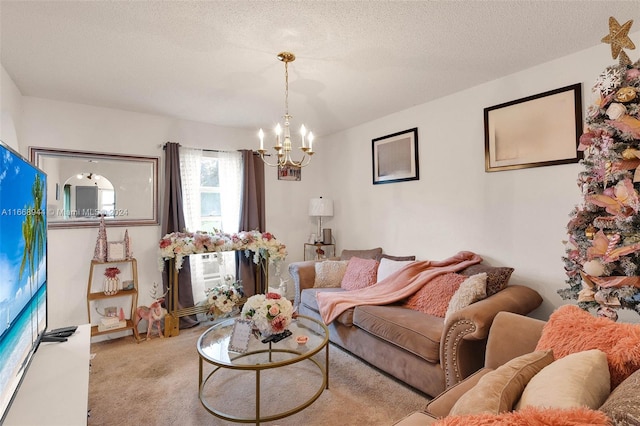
point(115, 251)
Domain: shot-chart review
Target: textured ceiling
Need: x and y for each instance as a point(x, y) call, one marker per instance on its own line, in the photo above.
point(215, 61)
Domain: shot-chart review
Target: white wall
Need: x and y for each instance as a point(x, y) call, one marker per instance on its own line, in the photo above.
point(511, 218)
point(10, 110)
point(52, 124)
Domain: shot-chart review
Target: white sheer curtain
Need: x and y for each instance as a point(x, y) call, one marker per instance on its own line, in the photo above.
point(230, 173)
point(190, 168)
point(230, 179)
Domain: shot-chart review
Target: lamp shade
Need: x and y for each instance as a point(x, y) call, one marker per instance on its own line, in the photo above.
point(321, 207)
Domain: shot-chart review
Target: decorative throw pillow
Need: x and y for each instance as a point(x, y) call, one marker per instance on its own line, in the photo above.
point(622, 405)
point(329, 273)
point(360, 273)
point(400, 258)
point(531, 416)
point(388, 267)
point(579, 379)
point(571, 329)
point(498, 391)
point(497, 276)
point(433, 298)
point(362, 254)
point(471, 290)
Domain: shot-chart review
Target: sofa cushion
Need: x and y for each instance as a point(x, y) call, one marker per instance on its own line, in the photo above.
point(470, 291)
point(579, 379)
point(362, 254)
point(410, 330)
point(497, 276)
point(329, 273)
point(622, 405)
point(388, 267)
point(433, 298)
point(499, 390)
point(571, 329)
point(360, 273)
point(531, 416)
point(308, 299)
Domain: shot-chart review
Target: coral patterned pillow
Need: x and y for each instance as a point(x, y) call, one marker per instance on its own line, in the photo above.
point(571, 329)
point(433, 298)
point(360, 273)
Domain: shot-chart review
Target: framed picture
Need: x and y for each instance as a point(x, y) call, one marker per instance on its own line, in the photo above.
point(539, 130)
point(395, 157)
point(289, 173)
point(115, 251)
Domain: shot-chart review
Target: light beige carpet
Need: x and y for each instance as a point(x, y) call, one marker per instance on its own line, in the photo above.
point(155, 382)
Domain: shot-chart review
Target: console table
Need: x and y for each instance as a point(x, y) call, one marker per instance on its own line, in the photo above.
point(317, 251)
point(177, 246)
point(55, 390)
point(172, 318)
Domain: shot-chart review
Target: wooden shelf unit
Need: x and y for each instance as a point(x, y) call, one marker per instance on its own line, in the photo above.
point(93, 295)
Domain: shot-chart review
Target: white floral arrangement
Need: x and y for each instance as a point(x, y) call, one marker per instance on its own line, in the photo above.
point(223, 298)
point(178, 245)
point(270, 313)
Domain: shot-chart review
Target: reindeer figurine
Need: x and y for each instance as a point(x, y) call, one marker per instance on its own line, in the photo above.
point(153, 313)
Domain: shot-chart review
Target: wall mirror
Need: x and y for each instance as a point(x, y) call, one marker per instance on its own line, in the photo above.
point(83, 187)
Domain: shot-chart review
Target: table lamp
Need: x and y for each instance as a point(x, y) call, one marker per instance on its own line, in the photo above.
point(320, 207)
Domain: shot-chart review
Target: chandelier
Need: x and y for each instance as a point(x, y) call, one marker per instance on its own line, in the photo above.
point(283, 135)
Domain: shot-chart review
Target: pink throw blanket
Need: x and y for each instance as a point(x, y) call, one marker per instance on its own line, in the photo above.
point(396, 287)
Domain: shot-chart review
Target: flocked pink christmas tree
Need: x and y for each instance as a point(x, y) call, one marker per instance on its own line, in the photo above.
point(603, 252)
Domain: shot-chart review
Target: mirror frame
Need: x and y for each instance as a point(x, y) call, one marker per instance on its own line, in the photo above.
point(37, 153)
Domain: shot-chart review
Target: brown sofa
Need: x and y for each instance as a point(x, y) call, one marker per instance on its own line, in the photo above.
point(419, 349)
point(511, 336)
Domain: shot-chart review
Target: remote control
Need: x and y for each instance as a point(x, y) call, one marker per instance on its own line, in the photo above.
point(275, 338)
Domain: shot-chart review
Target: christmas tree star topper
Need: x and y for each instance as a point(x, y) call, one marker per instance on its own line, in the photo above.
point(618, 38)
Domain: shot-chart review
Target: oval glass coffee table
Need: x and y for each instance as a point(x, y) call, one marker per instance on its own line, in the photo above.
point(213, 349)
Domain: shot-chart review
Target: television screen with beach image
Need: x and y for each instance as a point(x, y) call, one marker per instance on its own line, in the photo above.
point(23, 269)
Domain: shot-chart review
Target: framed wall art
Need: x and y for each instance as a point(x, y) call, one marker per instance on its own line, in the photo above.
point(395, 157)
point(539, 130)
point(289, 173)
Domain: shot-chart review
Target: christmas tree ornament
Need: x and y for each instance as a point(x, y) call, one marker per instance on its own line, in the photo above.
point(127, 245)
point(100, 251)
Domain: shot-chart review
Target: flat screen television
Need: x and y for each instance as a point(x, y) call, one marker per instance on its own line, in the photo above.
point(23, 269)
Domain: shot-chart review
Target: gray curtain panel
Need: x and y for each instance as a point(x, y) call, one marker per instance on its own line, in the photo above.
point(173, 221)
point(251, 217)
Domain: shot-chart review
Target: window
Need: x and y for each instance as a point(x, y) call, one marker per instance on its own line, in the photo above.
point(211, 183)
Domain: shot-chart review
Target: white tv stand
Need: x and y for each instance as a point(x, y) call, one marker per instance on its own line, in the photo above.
point(55, 390)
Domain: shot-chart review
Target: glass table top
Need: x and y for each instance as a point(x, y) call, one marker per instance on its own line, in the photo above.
point(213, 345)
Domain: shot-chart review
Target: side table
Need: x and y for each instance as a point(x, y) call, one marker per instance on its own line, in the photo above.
point(319, 251)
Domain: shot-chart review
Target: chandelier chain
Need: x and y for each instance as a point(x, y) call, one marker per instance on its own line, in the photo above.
point(286, 88)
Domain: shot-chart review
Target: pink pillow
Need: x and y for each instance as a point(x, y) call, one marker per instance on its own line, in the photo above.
point(531, 416)
point(360, 273)
point(571, 329)
point(434, 297)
